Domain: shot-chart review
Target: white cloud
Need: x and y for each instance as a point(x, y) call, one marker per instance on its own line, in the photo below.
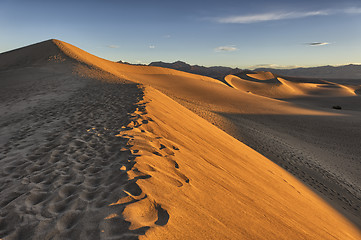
point(314, 44)
point(113, 46)
point(167, 36)
point(226, 49)
point(151, 46)
point(270, 17)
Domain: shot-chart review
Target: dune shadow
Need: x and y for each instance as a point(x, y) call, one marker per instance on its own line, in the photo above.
point(352, 103)
point(163, 216)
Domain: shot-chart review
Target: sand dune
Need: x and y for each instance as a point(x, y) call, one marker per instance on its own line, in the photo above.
point(222, 183)
point(262, 76)
point(268, 85)
point(91, 150)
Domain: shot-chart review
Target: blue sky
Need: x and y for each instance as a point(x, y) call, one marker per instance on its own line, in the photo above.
point(227, 33)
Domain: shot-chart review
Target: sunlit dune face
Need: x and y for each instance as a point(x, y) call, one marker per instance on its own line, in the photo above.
point(282, 88)
point(262, 76)
point(217, 185)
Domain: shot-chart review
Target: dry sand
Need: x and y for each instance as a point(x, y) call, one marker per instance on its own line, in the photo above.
point(88, 153)
point(298, 131)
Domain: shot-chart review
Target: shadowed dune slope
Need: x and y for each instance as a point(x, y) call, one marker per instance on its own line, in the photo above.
point(34, 54)
point(180, 177)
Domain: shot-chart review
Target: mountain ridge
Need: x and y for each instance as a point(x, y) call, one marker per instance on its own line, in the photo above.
point(351, 72)
point(216, 72)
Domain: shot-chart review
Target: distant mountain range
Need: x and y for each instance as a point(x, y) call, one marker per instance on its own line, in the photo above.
point(217, 72)
point(326, 72)
point(350, 71)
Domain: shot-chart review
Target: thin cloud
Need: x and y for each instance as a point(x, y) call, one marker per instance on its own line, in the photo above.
point(353, 10)
point(314, 44)
point(270, 17)
point(283, 15)
point(226, 49)
point(274, 66)
point(151, 46)
point(113, 46)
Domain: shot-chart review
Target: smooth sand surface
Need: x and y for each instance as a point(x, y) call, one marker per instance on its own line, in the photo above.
point(269, 85)
point(91, 150)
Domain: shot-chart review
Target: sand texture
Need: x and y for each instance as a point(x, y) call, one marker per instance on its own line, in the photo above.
point(92, 149)
point(61, 166)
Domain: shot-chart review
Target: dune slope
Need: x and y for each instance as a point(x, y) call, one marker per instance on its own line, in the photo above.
point(118, 159)
point(218, 189)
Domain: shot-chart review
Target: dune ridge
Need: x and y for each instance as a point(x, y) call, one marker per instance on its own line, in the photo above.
point(119, 159)
point(172, 149)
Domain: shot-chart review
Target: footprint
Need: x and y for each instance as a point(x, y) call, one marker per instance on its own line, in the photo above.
point(163, 216)
point(67, 191)
point(35, 197)
point(156, 153)
point(57, 207)
point(133, 189)
point(68, 220)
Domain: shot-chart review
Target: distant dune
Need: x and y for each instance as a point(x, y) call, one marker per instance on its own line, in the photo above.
point(269, 85)
point(93, 149)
